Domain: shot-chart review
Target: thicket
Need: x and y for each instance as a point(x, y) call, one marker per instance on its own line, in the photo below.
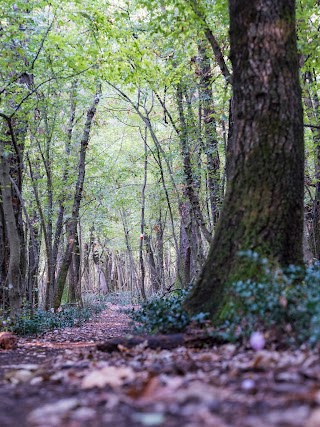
point(39, 321)
point(282, 302)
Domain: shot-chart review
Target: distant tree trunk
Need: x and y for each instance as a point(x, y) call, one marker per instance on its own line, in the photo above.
point(13, 278)
point(263, 206)
point(187, 169)
point(154, 278)
point(313, 112)
point(74, 273)
point(143, 207)
point(73, 222)
point(184, 254)
point(34, 258)
point(4, 257)
point(159, 229)
point(210, 133)
point(132, 268)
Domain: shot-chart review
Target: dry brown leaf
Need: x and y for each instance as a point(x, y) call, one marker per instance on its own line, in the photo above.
point(109, 375)
point(265, 360)
point(21, 373)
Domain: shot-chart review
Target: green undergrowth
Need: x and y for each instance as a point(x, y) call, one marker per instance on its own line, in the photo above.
point(39, 321)
point(283, 303)
point(164, 314)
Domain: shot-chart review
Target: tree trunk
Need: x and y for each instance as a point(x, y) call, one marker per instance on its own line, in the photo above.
point(4, 258)
point(74, 273)
point(34, 262)
point(312, 105)
point(184, 254)
point(263, 207)
point(187, 169)
point(13, 279)
point(210, 133)
point(154, 278)
point(72, 226)
point(143, 207)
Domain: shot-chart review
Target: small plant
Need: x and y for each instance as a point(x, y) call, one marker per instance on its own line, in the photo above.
point(164, 314)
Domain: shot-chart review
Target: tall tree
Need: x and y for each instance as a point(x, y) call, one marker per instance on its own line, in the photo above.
point(263, 206)
point(72, 225)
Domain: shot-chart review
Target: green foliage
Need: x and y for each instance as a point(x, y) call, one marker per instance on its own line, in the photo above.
point(42, 321)
point(283, 300)
point(165, 314)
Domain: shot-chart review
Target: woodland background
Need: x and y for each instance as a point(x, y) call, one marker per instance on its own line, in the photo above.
point(114, 132)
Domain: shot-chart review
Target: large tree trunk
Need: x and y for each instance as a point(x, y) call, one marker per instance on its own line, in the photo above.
point(263, 207)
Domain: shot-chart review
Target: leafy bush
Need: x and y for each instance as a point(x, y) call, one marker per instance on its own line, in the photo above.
point(164, 314)
point(41, 321)
point(287, 300)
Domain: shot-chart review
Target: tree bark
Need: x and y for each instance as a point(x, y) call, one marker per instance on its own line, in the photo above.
point(143, 207)
point(13, 278)
point(210, 133)
point(263, 207)
point(312, 105)
point(187, 169)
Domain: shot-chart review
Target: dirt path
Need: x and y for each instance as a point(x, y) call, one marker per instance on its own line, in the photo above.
point(37, 372)
point(60, 379)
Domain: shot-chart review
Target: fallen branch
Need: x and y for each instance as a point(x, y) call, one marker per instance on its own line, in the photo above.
point(162, 342)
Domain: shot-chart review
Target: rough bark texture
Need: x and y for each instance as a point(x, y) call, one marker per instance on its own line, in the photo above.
point(263, 207)
point(13, 279)
point(312, 107)
point(210, 132)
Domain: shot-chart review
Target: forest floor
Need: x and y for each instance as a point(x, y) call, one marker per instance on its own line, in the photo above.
point(60, 379)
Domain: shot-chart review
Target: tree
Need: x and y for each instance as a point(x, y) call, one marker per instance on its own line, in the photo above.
point(72, 238)
point(263, 206)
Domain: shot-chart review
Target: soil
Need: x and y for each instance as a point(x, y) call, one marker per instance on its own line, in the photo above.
point(61, 379)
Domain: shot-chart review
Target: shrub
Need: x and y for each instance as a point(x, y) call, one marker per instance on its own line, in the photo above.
point(41, 321)
point(164, 314)
point(287, 300)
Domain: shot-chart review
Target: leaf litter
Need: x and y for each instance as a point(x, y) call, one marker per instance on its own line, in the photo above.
point(61, 379)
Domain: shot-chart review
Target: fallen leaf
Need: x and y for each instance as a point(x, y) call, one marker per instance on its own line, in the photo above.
point(52, 413)
point(265, 359)
point(109, 375)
